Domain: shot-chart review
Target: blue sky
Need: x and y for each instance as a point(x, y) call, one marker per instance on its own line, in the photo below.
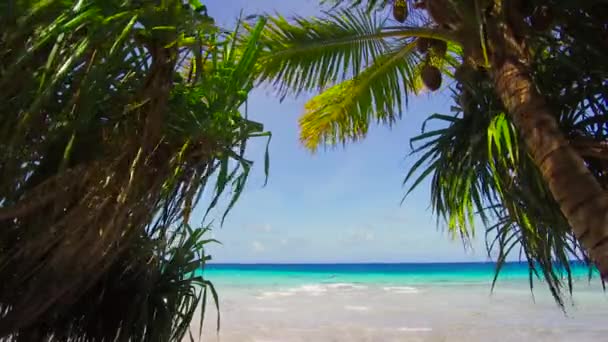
point(338, 205)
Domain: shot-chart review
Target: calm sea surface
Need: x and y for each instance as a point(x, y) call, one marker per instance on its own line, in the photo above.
point(380, 273)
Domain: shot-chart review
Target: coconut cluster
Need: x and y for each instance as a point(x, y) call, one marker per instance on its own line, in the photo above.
point(431, 48)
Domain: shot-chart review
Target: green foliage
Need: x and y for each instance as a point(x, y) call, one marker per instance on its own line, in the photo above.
point(480, 166)
point(368, 4)
point(116, 117)
point(150, 294)
point(365, 69)
point(344, 111)
point(310, 54)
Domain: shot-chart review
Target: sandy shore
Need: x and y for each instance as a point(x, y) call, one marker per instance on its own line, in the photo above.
point(356, 312)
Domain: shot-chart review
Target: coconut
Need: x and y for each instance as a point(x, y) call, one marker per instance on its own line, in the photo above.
point(423, 44)
point(541, 18)
point(431, 77)
point(400, 11)
point(439, 47)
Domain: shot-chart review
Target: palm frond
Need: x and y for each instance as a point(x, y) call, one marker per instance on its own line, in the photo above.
point(369, 5)
point(475, 159)
point(124, 113)
point(344, 112)
point(369, 68)
point(478, 167)
point(310, 54)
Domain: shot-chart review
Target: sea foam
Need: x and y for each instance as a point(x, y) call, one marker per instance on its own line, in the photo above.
point(346, 286)
point(401, 289)
point(312, 290)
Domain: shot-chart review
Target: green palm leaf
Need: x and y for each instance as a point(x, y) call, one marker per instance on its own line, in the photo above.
point(489, 173)
point(344, 112)
point(122, 114)
point(369, 68)
point(313, 53)
point(310, 54)
point(368, 4)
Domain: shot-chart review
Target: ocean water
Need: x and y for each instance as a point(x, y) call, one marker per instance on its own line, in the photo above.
point(376, 273)
point(399, 302)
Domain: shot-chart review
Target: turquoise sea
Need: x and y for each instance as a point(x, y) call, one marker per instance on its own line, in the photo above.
point(434, 302)
point(376, 273)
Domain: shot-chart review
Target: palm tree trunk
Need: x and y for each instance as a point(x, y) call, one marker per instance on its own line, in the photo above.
point(580, 196)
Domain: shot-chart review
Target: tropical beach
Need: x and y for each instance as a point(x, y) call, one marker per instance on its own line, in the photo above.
point(303, 170)
point(396, 302)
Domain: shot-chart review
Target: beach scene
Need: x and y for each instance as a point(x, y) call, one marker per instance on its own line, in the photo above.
point(303, 170)
point(397, 302)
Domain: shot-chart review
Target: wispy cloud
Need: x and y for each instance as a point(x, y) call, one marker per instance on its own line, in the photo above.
point(359, 235)
point(260, 228)
point(293, 243)
point(257, 247)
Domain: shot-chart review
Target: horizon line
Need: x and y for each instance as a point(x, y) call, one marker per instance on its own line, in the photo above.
point(339, 262)
point(371, 263)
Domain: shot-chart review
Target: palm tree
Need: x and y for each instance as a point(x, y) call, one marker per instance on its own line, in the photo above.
point(366, 67)
point(116, 116)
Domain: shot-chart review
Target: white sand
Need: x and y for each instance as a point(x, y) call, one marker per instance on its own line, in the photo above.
point(341, 312)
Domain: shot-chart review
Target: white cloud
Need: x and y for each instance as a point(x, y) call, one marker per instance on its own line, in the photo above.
point(257, 246)
point(359, 235)
point(260, 228)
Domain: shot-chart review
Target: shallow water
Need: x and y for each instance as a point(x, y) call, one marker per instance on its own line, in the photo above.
point(368, 306)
